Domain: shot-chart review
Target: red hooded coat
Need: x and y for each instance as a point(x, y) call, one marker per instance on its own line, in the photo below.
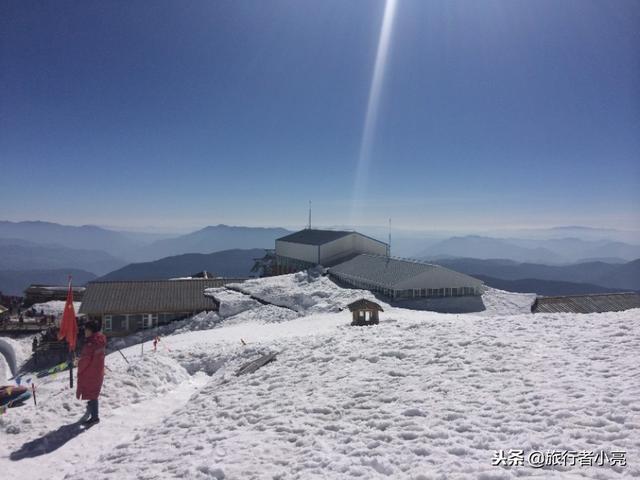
point(91, 367)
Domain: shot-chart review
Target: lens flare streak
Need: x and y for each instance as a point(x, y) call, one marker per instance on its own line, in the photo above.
point(373, 105)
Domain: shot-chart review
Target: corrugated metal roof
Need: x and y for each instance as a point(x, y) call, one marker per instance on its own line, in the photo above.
point(596, 303)
point(149, 296)
point(389, 272)
point(314, 237)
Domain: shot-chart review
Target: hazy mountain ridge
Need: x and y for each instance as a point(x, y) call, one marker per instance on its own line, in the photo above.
point(547, 251)
point(614, 276)
point(23, 255)
point(213, 239)
point(545, 287)
point(86, 237)
point(227, 263)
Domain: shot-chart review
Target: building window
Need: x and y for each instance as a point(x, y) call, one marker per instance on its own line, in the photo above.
point(107, 323)
point(119, 323)
point(149, 320)
point(134, 321)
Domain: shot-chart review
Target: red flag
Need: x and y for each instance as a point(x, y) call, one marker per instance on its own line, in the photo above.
point(68, 326)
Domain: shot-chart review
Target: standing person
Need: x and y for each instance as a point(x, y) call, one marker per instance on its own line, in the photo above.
point(91, 371)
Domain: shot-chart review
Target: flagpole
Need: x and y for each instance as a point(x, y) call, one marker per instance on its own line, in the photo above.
point(70, 356)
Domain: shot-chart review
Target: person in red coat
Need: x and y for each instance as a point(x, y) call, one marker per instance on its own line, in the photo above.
point(91, 371)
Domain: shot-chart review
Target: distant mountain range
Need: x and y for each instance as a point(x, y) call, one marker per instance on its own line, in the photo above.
point(213, 239)
point(546, 251)
point(40, 252)
point(17, 254)
point(86, 237)
point(547, 255)
point(228, 263)
point(603, 275)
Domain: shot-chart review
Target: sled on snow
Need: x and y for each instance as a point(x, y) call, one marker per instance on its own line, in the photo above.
point(256, 364)
point(13, 395)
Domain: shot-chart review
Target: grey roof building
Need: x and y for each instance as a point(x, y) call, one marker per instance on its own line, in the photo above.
point(595, 303)
point(399, 278)
point(127, 306)
point(310, 247)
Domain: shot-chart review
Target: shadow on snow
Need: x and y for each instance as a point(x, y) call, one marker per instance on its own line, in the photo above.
point(49, 442)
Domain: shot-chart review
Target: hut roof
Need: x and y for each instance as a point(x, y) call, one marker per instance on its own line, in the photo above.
point(153, 296)
point(364, 304)
point(597, 303)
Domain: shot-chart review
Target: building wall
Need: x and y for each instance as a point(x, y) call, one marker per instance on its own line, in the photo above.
point(350, 245)
point(125, 324)
point(299, 251)
point(364, 244)
point(336, 249)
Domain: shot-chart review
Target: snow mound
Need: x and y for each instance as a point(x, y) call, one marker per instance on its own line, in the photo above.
point(262, 314)
point(54, 307)
point(22, 350)
point(124, 385)
point(307, 294)
point(231, 302)
point(500, 302)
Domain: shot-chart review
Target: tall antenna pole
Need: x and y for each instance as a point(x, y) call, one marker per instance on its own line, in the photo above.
point(309, 215)
point(389, 245)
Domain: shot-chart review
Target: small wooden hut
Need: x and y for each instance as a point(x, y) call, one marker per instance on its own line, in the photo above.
point(365, 312)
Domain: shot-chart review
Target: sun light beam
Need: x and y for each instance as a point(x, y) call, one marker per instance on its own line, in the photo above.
point(373, 104)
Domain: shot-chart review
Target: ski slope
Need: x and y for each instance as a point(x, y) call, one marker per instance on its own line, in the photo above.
point(422, 395)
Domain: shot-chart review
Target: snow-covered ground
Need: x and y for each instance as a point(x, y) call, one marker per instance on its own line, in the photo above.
point(54, 307)
point(499, 302)
point(303, 293)
point(22, 350)
point(422, 395)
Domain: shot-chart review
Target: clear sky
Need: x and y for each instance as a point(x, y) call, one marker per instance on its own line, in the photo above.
point(170, 113)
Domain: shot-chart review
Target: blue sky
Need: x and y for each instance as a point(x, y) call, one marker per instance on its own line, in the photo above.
point(182, 114)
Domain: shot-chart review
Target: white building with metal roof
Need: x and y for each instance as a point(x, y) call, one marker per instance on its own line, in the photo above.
point(399, 278)
point(310, 247)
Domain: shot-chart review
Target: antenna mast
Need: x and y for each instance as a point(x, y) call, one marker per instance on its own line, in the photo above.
point(309, 215)
point(389, 244)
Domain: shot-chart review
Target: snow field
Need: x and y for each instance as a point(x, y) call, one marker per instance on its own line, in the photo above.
point(420, 396)
point(414, 397)
point(54, 307)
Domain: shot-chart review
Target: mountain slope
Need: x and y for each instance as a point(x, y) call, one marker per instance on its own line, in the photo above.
point(625, 276)
point(23, 255)
point(474, 246)
point(213, 239)
point(533, 250)
point(228, 263)
point(14, 282)
point(544, 287)
point(615, 276)
point(84, 237)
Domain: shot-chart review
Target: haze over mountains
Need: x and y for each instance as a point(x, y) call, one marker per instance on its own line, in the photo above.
point(37, 252)
point(549, 251)
point(227, 263)
point(212, 239)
